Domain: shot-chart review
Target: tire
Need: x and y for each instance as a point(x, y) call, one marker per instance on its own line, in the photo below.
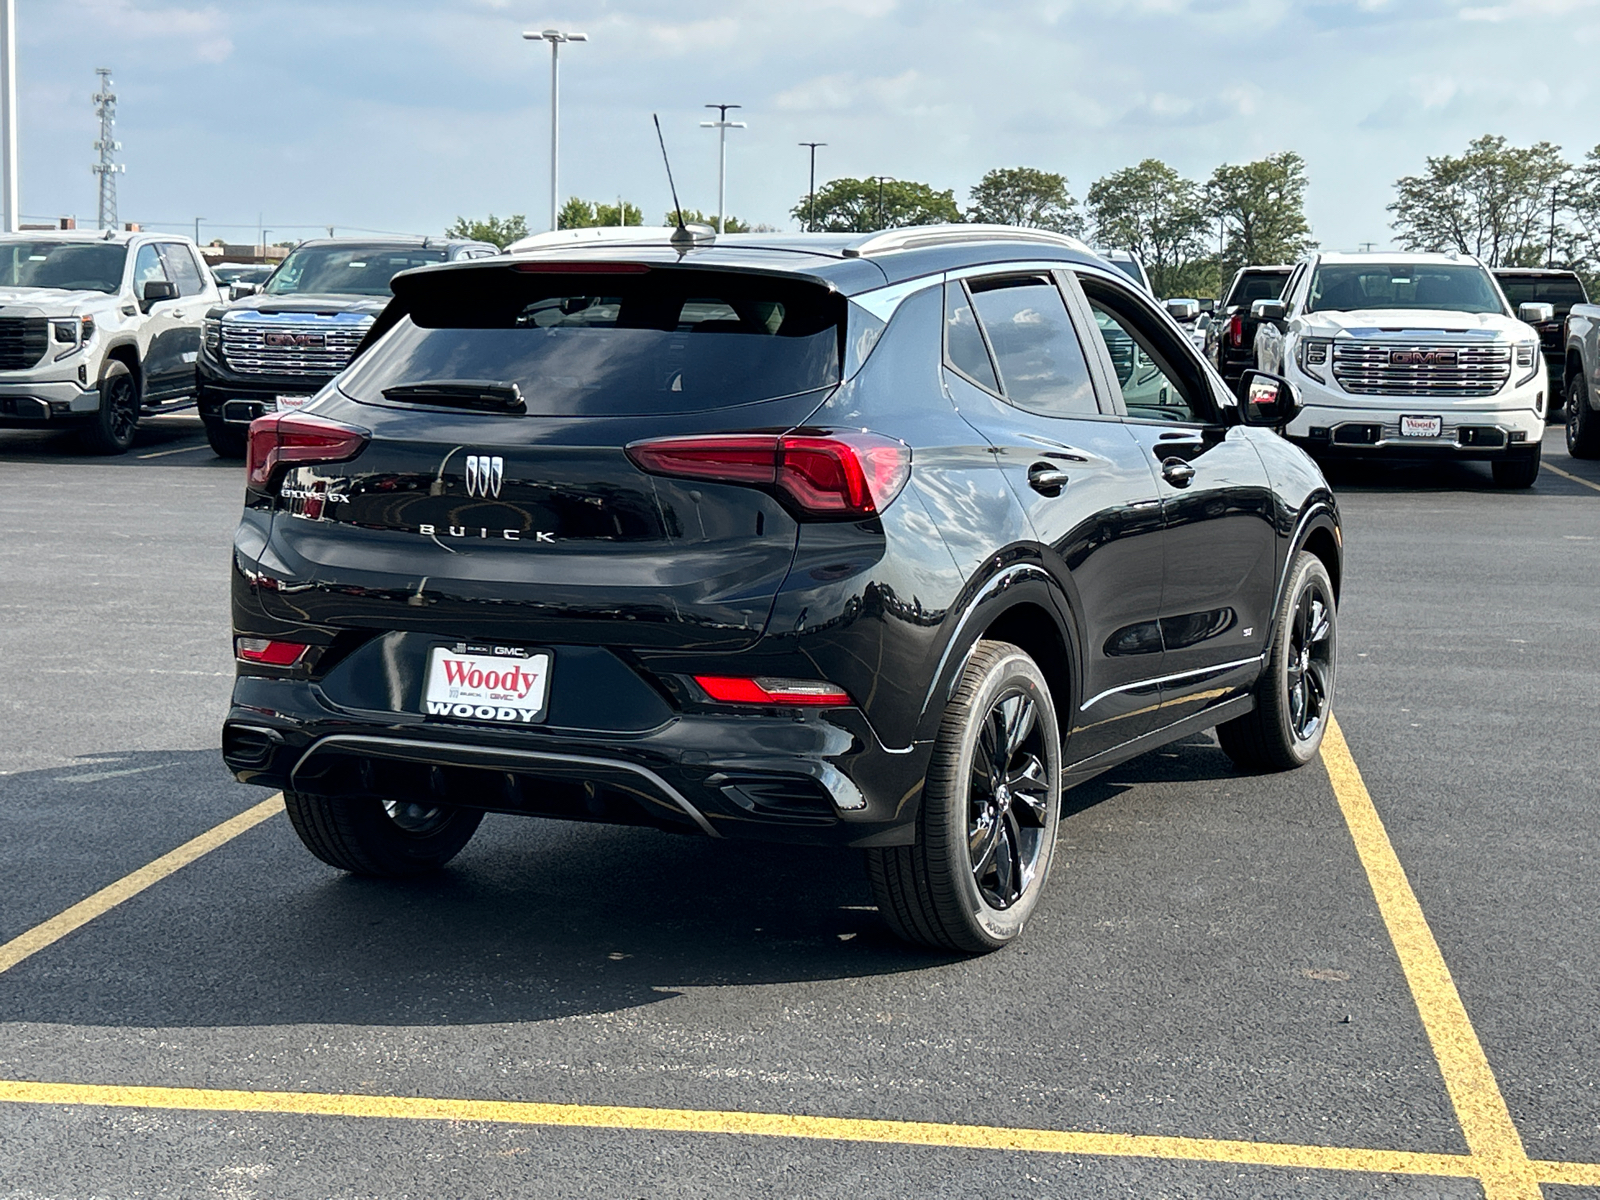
point(111, 430)
point(226, 440)
point(1295, 694)
point(934, 893)
point(1519, 472)
point(367, 836)
point(1583, 424)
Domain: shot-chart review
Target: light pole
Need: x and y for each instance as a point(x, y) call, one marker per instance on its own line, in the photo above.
point(722, 125)
point(555, 37)
point(197, 221)
point(8, 118)
point(811, 193)
point(264, 234)
point(881, 180)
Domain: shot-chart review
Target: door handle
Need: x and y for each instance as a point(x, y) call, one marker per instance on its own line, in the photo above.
point(1046, 480)
point(1177, 472)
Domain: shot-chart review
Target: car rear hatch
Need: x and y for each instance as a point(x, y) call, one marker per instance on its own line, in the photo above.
point(491, 496)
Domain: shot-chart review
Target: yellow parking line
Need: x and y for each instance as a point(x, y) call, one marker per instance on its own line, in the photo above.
point(129, 886)
point(1502, 1163)
point(1569, 1174)
point(1575, 479)
point(840, 1129)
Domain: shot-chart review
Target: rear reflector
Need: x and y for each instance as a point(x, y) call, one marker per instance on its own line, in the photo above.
point(763, 689)
point(848, 474)
point(267, 652)
point(298, 438)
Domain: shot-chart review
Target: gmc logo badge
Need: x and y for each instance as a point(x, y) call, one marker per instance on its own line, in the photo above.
point(295, 339)
point(1422, 358)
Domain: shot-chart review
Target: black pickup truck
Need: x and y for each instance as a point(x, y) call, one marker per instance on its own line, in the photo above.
point(1231, 335)
point(1561, 290)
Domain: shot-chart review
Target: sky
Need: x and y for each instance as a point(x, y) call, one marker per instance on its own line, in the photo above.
point(398, 116)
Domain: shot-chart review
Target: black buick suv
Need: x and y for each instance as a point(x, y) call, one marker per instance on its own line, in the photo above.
point(869, 541)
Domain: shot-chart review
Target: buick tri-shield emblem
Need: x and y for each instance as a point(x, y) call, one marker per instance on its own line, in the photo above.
point(484, 475)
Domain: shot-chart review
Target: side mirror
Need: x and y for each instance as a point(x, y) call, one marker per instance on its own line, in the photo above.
point(1208, 305)
point(156, 290)
point(1268, 310)
point(1536, 313)
point(1182, 310)
point(1269, 400)
point(238, 290)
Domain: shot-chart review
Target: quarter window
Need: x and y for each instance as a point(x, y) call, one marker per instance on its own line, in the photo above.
point(1041, 362)
point(963, 343)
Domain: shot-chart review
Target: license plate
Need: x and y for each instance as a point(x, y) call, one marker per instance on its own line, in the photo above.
point(1421, 426)
point(289, 403)
point(505, 685)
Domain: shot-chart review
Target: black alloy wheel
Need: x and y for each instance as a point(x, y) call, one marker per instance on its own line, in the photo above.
point(1295, 694)
point(986, 831)
point(386, 838)
point(1583, 425)
point(111, 431)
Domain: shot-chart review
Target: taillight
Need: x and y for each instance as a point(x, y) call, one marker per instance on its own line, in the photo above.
point(850, 474)
point(1236, 329)
point(764, 689)
point(298, 438)
point(268, 652)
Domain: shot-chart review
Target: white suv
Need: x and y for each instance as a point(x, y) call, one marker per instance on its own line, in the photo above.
point(97, 329)
point(1407, 355)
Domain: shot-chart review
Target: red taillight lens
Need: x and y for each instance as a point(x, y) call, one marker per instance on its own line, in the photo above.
point(763, 689)
point(268, 652)
point(838, 474)
point(1236, 329)
point(298, 438)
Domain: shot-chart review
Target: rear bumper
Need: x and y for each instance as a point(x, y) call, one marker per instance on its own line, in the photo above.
point(796, 776)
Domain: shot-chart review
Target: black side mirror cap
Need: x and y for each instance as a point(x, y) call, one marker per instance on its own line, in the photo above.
point(156, 290)
point(1268, 310)
point(1269, 400)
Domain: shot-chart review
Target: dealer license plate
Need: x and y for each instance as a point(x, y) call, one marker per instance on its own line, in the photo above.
point(1421, 426)
point(290, 403)
point(506, 685)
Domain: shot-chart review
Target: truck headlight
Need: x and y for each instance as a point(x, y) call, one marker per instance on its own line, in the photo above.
point(73, 334)
point(1311, 356)
point(1527, 357)
point(213, 334)
point(65, 332)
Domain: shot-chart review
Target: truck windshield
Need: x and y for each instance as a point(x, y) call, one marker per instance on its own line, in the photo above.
point(1563, 293)
point(612, 344)
point(71, 266)
point(1341, 287)
point(347, 270)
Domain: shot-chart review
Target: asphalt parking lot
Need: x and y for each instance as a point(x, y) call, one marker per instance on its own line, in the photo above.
point(1236, 986)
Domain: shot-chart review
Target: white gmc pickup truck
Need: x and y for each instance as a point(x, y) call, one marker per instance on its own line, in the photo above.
point(1406, 355)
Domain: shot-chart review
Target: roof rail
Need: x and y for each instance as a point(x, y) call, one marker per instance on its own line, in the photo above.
point(917, 237)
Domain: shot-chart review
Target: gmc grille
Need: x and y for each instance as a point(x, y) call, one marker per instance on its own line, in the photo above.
point(1368, 370)
point(245, 347)
point(23, 341)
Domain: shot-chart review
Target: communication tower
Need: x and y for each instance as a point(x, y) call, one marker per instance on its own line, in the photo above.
point(105, 107)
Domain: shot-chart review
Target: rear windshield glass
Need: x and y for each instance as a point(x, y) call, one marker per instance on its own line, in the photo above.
point(1530, 289)
point(347, 270)
point(72, 266)
point(612, 344)
point(1341, 287)
point(1258, 287)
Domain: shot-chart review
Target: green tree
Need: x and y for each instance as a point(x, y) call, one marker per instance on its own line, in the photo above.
point(863, 205)
point(1261, 204)
point(1577, 240)
point(1494, 202)
point(1025, 196)
point(693, 216)
point(502, 232)
point(1153, 211)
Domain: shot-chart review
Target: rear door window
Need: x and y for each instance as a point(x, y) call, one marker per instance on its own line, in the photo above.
point(1040, 360)
point(613, 341)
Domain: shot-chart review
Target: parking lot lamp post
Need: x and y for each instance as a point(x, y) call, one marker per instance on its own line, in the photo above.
point(722, 125)
point(881, 180)
point(811, 193)
point(8, 118)
point(555, 37)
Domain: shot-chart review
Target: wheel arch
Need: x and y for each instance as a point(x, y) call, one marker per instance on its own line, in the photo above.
point(126, 353)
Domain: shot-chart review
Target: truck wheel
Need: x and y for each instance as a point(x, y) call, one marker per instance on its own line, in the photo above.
point(1295, 694)
point(387, 838)
point(226, 440)
point(111, 431)
point(1583, 426)
point(1519, 472)
point(987, 829)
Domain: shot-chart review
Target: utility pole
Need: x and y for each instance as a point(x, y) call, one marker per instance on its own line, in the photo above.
point(8, 118)
point(197, 221)
point(1550, 259)
point(555, 37)
point(811, 192)
point(105, 107)
point(722, 125)
point(881, 179)
point(1366, 247)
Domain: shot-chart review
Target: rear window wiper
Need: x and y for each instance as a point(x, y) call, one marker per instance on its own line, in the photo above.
point(480, 395)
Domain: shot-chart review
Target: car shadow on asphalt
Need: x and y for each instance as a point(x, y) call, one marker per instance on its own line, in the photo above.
point(173, 441)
